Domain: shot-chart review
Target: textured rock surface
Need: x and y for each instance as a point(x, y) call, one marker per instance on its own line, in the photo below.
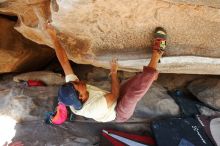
point(213, 3)
point(49, 78)
point(207, 111)
point(94, 31)
point(174, 81)
point(207, 91)
point(25, 104)
point(156, 102)
point(18, 53)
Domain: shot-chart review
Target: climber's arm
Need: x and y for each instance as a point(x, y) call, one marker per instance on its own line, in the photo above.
point(60, 51)
point(113, 96)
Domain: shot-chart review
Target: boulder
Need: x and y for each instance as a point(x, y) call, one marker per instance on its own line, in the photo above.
point(207, 91)
point(176, 81)
point(26, 104)
point(47, 77)
point(156, 102)
point(18, 107)
point(94, 31)
point(207, 111)
point(18, 53)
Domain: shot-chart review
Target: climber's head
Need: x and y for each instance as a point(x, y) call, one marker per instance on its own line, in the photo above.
point(80, 86)
point(73, 94)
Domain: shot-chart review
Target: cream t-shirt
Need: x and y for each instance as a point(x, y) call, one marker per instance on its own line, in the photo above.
point(96, 106)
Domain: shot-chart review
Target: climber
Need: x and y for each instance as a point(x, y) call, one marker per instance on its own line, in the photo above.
point(92, 102)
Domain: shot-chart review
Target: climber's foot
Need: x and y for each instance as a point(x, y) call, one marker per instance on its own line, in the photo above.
point(159, 44)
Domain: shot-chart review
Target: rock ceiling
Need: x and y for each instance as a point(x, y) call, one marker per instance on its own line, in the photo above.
point(94, 31)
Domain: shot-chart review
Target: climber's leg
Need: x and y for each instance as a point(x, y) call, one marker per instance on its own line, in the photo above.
point(135, 88)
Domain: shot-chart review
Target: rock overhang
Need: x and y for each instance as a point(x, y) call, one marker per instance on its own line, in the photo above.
point(94, 31)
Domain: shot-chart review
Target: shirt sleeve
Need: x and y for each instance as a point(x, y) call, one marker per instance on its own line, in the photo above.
point(71, 77)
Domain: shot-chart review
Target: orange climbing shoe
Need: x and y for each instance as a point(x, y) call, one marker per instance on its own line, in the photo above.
point(160, 37)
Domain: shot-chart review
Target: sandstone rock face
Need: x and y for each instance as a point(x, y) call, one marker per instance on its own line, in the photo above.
point(47, 77)
point(18, 53)
point(207, 91)
point(213, 3)
point(94, 31)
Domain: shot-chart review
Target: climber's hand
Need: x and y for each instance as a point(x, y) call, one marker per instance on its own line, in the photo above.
point(50, 29)
point(114, 65)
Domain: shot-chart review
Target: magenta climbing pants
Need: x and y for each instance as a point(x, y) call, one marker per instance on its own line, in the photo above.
point(132, 91)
